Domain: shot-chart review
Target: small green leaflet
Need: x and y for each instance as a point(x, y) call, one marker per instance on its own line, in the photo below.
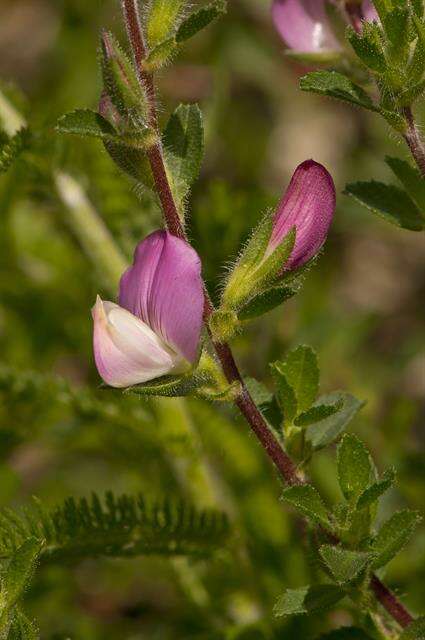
point(84, 122)
point(18, 574)
point(336, 85)
point(284, 393)
point(184, 147)
point(344, 565)
point(307, 501)
point(389, 202)
point(355, 467)
point(308, 600)
point(21, 628)
point(302, 374)
point(318, 412)
point(375, 491)
point(265, 302)
point(393, 536)
point(199, 20)
point(327, 430)
point(411, 180)
point(368, 46)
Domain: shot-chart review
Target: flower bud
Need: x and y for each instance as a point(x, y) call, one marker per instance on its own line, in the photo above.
point(308, 205)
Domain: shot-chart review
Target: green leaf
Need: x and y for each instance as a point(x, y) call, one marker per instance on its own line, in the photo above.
point(302, 373)
point(387, 201)
point(308, 600)
point(265, 302)
point(396, 27)
point(284, 392)
point(336, 85)
point(318, 412)
point(326, 431)
point(84, 122)
point(415, 630)
point(368, 46)
point(376, 490)
point(18, 573)
point(344, 565)
point(200, 19)
point(355, 467)
point(346, 633)
point(21, 628)
point(184, 147)
point(160, 55)
point(393, 536)
point(411, 180)
point(131, 161)
point(170, 386)
point(11, 149)
point(307, 501)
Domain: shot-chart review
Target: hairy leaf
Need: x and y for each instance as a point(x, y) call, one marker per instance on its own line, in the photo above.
point(375, 491)
point(21, 628)
point(326, 431)
point(318, 412)
point(308, 600)
point(302, 373)
point(388, 201)
point(393, 536)
point(19, 572)
point(11, 149)
point(200, 19)
point(411, 180)
point(344, 565)
point(265, 302)
point(336, 85)
point(307, 501)
point(355, 467)
point(284, 392)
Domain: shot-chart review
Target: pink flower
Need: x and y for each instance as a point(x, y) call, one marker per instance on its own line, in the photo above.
point(308, 205)
point(155, 329)
point(305, 27)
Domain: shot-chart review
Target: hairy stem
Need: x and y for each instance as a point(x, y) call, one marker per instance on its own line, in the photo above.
point(244, 401)
point(414, 141)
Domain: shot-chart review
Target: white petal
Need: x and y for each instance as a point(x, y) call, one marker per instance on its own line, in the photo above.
point(126, 350)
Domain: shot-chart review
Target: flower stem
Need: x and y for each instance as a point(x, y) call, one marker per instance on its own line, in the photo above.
point(414, 141)
point(244, 401)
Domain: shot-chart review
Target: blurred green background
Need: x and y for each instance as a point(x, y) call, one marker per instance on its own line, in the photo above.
point(361, 309)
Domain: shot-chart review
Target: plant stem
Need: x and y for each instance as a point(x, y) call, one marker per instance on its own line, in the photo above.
point(244, 401)
point(414, 141)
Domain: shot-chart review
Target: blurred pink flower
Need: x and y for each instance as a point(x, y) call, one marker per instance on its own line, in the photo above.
point(156, 327)
point(308, 205)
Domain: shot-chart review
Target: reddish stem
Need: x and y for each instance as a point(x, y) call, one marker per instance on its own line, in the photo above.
point(414, 141)
point(244, 402)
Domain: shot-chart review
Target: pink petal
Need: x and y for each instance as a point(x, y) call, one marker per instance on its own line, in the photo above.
point(126, 350)
point(164, 289)
point(304, 25)
point(369, 11)
point(309, 206)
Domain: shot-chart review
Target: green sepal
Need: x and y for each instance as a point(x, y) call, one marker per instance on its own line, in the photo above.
point(161, 19)
point(200, 19)
point(120, 81)
point(223, 325)
point(308, 600)
point(394, 119)
point(376, 490)
point(131, 161)
point(326, 431)
point(336, 85)
point(410, 178)
point(21, 628)
point(411, 94)
point(389, 202)
point(393, 536)
point(344, 565)
point(396, 27)
point(171, 386)
point(160, 55)
point(11, 148)
point(356, 470)
point(266, 301)
point(306, 499)
point(317, 413)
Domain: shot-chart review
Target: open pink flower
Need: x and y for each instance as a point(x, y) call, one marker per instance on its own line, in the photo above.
point(305, 27)
point(308, 205)
point(156, 327)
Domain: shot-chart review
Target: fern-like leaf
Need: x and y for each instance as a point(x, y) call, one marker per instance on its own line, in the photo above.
point(113, 526)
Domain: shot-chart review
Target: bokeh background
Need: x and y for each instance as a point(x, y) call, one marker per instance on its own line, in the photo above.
point(361, 308)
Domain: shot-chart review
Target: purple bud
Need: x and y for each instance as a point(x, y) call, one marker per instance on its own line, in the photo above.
point(309, 206)
point(304, 25)
point(156, 329)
